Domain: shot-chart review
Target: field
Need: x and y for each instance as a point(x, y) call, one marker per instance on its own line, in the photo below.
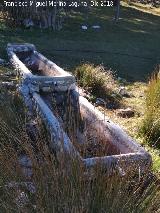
point(130, 47)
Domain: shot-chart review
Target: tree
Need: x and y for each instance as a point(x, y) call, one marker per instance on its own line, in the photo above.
point(43, 17)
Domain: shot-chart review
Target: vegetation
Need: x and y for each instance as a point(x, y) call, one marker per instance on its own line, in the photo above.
point(151, 124)
point(134, 40)
point(57, 187)
point(33, 14)
point(98, 81)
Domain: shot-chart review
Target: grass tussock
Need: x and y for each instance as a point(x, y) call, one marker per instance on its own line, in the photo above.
point(62, 186)
point(151, 123)
point(98, 81)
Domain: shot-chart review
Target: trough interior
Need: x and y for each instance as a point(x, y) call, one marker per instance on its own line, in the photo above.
point(82, 133)
point(86, 134)
point(37, 65)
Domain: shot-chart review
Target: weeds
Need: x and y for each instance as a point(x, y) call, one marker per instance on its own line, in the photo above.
point(98, 81)
point(60, 187)
point(151, 123)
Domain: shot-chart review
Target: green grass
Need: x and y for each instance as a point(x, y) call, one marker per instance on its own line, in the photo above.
point(151, 123)
point(130, 47)
point(99, 82)
point(155, 153)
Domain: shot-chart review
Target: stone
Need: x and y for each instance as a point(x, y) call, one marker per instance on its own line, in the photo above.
point(100, 102)
point(123, 92)
point(40, 72)
point(96, 27)
point(84, 27)
point(125, 113)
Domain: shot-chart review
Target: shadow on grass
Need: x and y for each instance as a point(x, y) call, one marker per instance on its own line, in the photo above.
point(130, 47)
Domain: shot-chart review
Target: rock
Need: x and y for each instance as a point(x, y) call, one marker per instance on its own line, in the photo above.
point(100, 102)
point(96, 27)
point(125, 113)
point(123, 92)
point(84, 27)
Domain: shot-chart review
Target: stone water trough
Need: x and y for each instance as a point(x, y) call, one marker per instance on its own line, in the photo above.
point(75, 125)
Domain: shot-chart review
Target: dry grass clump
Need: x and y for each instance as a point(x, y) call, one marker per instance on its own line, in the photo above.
point(151, 123)
point(62, 186)
point(98, 81)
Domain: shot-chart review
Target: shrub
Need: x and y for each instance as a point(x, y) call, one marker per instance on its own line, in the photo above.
point(98, 81)
point(151, 124)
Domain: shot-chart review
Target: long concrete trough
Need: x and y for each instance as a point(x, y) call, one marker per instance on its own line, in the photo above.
point(75, 125)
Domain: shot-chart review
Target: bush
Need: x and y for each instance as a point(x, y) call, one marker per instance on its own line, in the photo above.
point(98, 81)
point(151, 124)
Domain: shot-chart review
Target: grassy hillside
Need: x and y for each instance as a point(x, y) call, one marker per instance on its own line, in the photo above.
point(131, 47)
